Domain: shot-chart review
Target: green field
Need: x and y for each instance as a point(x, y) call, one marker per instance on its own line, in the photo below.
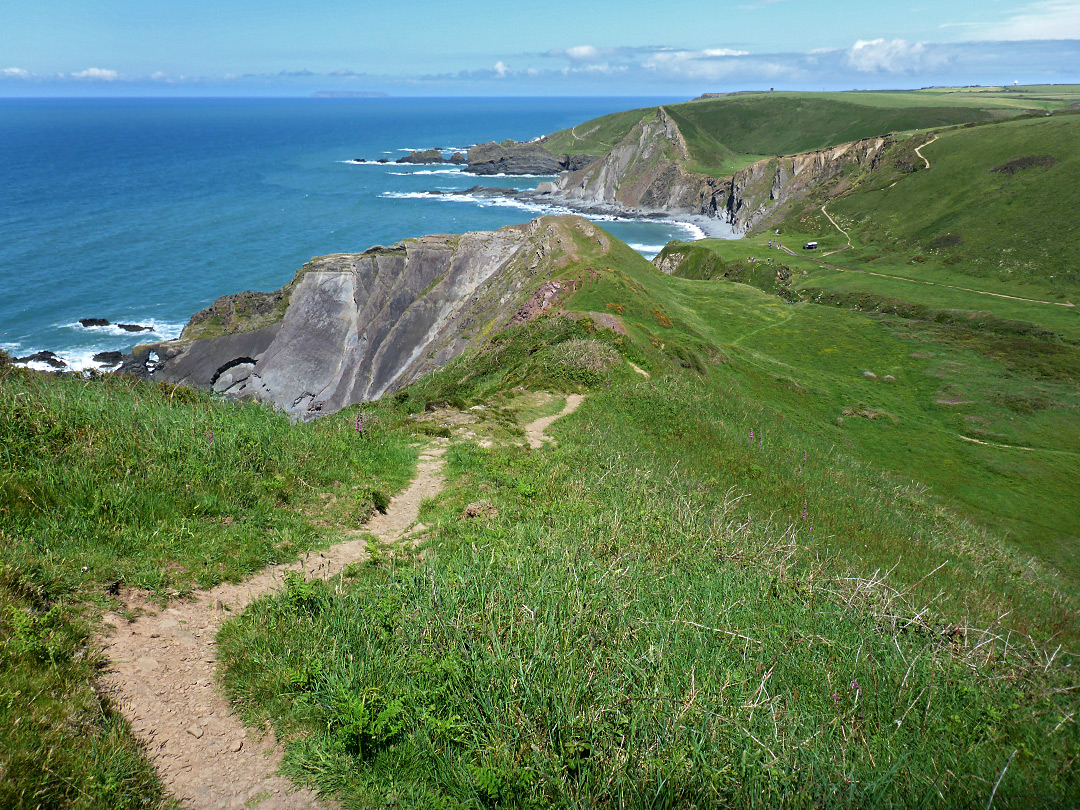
point(685, 603)
point(110, 486)
point(727, 133)
point(826, 554)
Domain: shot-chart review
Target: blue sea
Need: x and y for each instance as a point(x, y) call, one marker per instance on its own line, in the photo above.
point(145, 210)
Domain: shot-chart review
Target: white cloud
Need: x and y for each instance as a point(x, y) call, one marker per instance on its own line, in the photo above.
point(1046, 19)
point(15, 73)
point(712, 52)
point(888, 56)
point(97, 74)
point(501, 69)
point(712, 63)
point(582, 53)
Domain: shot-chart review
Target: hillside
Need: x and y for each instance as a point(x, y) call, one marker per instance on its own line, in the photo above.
point(729, 132)
point(752, 499)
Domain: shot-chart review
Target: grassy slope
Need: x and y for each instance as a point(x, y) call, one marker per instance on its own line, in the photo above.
point(109, 484)
point(961, 197)
point(725, 134)
point(595, 137)
point(671, 607)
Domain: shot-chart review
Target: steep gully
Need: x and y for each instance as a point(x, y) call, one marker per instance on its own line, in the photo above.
point(163, 666)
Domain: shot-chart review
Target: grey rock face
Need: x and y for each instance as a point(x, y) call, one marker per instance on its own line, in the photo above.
point(357, 326)
point(645, 173)
point(423, 156)
point(522, 158)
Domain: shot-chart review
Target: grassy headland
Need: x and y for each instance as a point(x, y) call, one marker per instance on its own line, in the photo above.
point(729, 132)
point(709, 593)
point(826, 554)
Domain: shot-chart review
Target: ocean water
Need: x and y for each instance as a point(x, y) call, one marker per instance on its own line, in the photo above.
point(146, 210)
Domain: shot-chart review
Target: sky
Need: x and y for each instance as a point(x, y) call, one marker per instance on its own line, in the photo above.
point(512, 48)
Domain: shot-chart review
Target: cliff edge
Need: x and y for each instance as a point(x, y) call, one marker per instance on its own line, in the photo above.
point(646, 172)
point(352, 327)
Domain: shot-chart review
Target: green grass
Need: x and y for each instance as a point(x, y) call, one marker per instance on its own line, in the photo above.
point(788, 124)
point(649, 620)
point(982, 223)
point(595, 137)
point(998, 374)
point(725, 134)
point(109, 484)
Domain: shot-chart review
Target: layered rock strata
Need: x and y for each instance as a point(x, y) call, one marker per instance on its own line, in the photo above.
point(352, 327)
point(645, 173)
point(512, 157)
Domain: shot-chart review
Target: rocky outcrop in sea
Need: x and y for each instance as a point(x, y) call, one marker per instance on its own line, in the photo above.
point(511, 157)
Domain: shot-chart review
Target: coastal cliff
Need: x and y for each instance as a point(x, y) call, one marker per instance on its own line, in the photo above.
point(512, 157)
point(352, 327)
point(647, 172)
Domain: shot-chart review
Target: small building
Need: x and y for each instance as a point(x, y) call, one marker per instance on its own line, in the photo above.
point(810, 246)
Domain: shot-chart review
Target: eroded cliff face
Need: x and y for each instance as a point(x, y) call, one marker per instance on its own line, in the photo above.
point(760, 192)
point(645, 173)
point(352, 327)
point(512, 157)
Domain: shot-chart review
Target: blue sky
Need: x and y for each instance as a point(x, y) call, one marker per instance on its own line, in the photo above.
point(555, 47)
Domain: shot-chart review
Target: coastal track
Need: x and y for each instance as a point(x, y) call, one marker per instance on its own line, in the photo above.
point(163, 665)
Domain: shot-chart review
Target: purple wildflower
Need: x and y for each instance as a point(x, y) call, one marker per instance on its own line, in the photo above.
point(209, 436)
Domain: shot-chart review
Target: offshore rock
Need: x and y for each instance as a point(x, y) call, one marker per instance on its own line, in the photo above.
point(47, 357)
point(423, 156)
point(112, 358)
point(511, 157)
point(353, 327)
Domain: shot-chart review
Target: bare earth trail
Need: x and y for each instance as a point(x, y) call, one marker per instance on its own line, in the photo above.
point(918, 150)
point(534, 431)
point(162, 666)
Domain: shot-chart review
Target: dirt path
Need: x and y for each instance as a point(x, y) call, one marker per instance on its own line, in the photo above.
point(534, 431)
point(162, 675)
point(918, 150)
point(639, 370)
point(828, 216)
point(162, 667)
point(1017, 447)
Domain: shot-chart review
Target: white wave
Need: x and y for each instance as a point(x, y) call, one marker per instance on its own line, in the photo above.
point(160, 329)
point(37, 365)
point(693, 231)
point(527, 176)
point(427, 172)
point(648, 251)
point(83, 360)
